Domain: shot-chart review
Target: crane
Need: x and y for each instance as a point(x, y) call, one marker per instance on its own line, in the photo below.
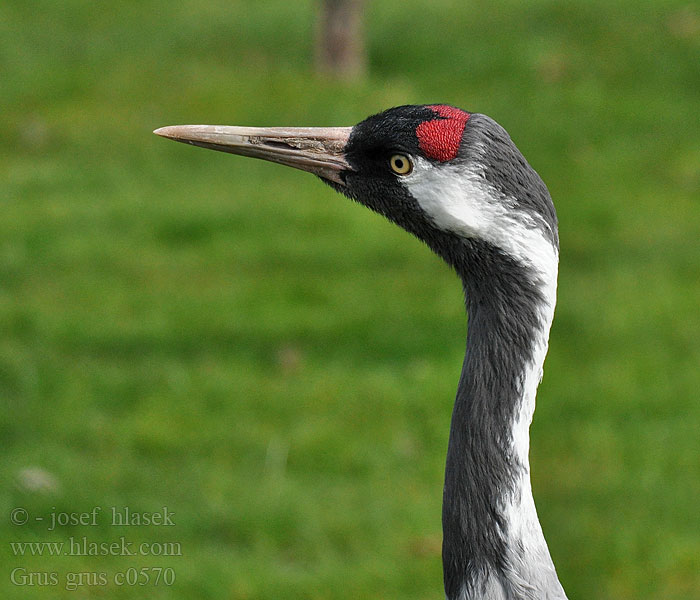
point(455, 180)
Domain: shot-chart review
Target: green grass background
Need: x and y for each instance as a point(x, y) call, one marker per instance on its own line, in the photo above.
point(276, 365)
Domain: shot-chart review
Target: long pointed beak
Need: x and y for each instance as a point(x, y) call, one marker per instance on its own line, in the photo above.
point(318, 150)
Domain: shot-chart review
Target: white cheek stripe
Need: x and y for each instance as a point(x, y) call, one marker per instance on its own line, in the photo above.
point(461, 201)
point(465, 204)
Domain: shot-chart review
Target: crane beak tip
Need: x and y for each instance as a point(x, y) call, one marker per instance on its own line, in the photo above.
point(165, 132)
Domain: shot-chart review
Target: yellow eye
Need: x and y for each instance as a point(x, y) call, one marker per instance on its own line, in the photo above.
point(400, 164)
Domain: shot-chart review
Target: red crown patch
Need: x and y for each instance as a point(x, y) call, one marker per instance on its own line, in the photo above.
point(440, 138)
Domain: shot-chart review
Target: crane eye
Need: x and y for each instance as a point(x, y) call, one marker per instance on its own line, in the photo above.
point(400, 164)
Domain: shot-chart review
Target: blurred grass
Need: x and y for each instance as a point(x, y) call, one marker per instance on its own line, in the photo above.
point(275, 365)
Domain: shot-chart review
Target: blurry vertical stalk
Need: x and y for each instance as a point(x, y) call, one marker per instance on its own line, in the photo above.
point(340, 48)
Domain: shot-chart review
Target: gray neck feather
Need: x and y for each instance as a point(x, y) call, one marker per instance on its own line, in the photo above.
point(493, 546)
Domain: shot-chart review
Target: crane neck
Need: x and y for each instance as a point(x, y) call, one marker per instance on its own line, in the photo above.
point(493, 545)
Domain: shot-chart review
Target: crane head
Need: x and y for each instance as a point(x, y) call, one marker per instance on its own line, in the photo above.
point(450, 177)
